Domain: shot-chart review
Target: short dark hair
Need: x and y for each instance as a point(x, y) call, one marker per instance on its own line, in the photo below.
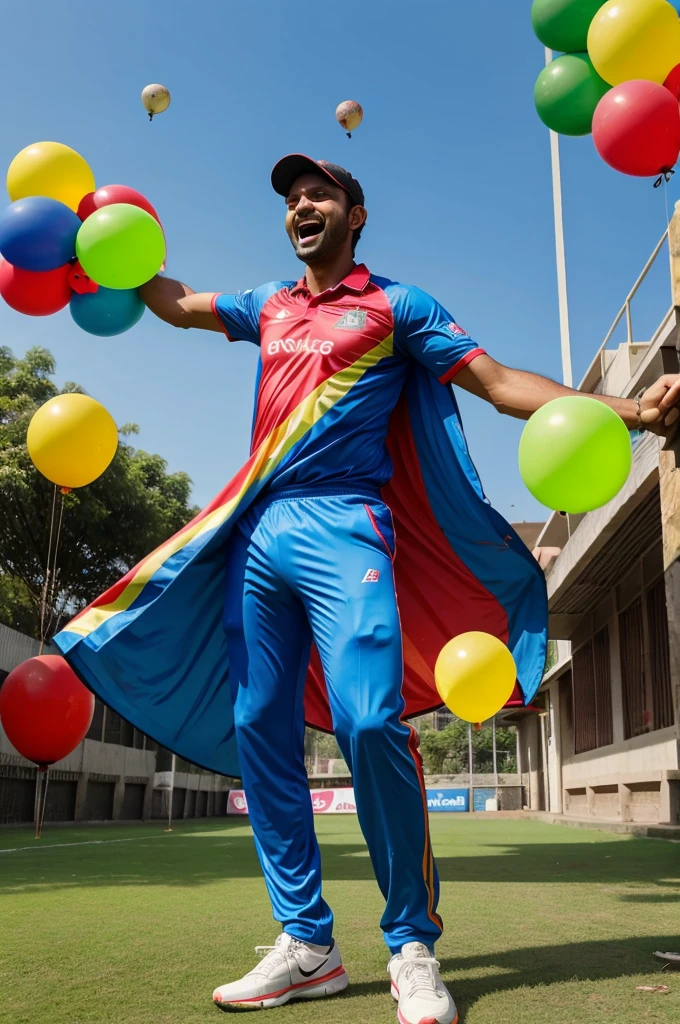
point(356, 234)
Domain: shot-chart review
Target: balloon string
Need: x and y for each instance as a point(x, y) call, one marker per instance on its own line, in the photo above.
point(43, 781)
point(52, 596)
point(43, 599)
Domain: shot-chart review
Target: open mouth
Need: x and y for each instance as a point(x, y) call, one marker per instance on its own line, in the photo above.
point(308, 231)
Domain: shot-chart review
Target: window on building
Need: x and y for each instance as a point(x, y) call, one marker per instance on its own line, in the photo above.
point(127, 733)
point(631, 645)
point(112, 727)
point(95, 730)
point(592, 694)
point(603, 689)
point(659, 652)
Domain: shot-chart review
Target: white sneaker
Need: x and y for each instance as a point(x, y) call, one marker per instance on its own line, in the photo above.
point(418, 988)
point(289, 970)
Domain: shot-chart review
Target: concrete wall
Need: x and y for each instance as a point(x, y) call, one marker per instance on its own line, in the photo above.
point(15, 648)
point(649, 754)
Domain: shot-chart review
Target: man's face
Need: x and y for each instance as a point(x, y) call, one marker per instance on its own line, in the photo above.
point(318, 218)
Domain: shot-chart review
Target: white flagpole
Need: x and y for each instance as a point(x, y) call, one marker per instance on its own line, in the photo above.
point(471, 805)
point(172, 790)
point(565, 339)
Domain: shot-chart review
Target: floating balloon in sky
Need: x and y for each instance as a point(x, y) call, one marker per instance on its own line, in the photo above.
point(120, 246)
point(108, 311)
point(575, 454)
point(567, 92)
point(636, 128)
point(349, 114)
point(35, 293)
point(38, 233)
point(156, 99)
point(50, 169)
point(72, 439)
point(45, 709)
point(563, 25)
point(475, 675)
point(634, 39)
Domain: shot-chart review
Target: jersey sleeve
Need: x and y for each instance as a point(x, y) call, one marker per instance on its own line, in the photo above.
point(239, 315)
point(425, 331)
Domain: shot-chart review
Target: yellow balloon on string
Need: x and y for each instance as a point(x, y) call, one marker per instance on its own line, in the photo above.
point(475, 675)
point(50, 169)
point(72, 440)
point(631, 39)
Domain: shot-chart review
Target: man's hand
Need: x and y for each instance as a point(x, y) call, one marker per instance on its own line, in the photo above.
point(659, 406)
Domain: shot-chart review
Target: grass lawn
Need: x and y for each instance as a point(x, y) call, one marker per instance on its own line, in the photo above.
point(544, 924)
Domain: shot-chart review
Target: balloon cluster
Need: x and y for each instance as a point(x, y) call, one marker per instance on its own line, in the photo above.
point(63, 243)
point(618, 76)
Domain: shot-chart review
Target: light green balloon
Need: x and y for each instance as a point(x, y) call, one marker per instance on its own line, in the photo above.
point(575, 454)
point(120, 246)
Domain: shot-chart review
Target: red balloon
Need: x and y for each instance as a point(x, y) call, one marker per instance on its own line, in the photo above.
point(672, 83)
point(36, 293)
point(110, 194)
point(636, 128)
point(45, 709)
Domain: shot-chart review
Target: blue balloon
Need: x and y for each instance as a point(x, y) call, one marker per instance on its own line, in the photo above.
point(107, 311)
point(38, 233)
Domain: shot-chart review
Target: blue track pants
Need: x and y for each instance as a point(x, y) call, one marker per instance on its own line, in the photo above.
point(320, 567)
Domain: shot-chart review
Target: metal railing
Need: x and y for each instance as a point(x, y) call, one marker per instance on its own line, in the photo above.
point(589, 379)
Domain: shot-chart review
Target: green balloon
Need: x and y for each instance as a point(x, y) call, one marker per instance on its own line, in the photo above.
point(567, 92)
point(575, 454)
point(120, 246)
point(563, 25)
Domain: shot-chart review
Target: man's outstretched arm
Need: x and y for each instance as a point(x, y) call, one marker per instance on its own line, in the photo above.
point(179, 305)
point(518, 393)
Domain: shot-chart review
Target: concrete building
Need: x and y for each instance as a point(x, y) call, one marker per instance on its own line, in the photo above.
point(115, 774)
point(605, 742)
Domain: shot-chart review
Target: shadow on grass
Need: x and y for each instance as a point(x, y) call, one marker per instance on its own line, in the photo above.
point(537, 966)
point(189, 858)
point(650, 897)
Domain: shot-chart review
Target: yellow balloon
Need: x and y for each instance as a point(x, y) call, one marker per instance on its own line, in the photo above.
point(475, 675)
point(50, 169)
point(635, 39)
point(71, 440)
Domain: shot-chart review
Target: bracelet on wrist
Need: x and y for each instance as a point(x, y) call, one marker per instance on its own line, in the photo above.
point(638, 398)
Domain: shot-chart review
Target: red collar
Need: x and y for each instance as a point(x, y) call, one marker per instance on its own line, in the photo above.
point(356, 281)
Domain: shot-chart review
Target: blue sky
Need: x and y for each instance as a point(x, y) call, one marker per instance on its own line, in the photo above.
point(453, 159)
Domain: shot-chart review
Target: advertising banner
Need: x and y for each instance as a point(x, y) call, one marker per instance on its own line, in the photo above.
point(439, 800)
point(236, 802)
point(324, 801)
point(333, 801)
point(341, 801)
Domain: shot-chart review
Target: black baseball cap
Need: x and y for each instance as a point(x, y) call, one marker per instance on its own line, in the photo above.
point(288, 169)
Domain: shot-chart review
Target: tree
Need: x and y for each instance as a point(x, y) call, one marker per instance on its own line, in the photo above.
point(446, 751)
point(106, 528)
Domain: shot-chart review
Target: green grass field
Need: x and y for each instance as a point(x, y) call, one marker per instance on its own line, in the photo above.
point(544, 924)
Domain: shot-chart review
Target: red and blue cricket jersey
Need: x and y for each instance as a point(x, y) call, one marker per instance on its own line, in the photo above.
point(305, 339)
point(354, 391)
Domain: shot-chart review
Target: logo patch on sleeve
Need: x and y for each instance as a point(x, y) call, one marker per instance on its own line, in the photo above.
point(458, 331)
point(353, 320)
